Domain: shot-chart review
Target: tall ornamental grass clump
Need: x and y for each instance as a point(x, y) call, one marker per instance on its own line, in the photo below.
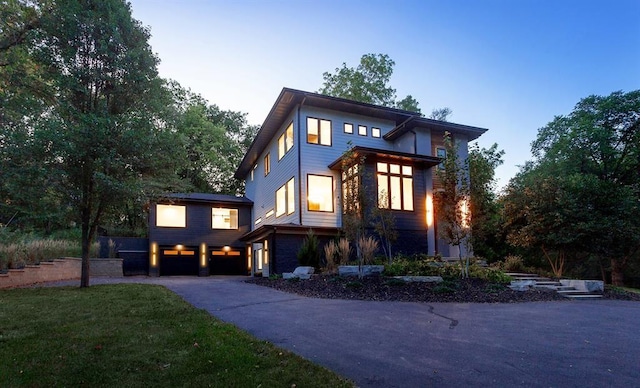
point(34, 251)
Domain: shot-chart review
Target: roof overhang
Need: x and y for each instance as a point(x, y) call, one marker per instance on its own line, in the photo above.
point(204, 198)
point(421, 160)
point(267, 230)
point(472, 133)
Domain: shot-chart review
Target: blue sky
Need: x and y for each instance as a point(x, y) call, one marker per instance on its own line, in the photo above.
point(506, 65)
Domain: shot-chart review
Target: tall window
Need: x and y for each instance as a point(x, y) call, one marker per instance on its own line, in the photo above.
point(171, 216)
point(348, 128)
point(441, 153)
point(320, 190)
point(395, 186)
point(362, 130)
point(285, 141)
point(224, 218)
point(351, 189)
point(285, 199)
point(318, 131)
point(267, 164)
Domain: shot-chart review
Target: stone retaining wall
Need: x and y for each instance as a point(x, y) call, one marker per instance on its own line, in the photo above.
point(60, 269)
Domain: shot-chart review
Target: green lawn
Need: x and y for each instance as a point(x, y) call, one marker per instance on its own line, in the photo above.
point(135, 336)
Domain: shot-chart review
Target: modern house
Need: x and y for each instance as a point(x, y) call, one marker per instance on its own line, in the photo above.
point(296, 180)
point(295, 176)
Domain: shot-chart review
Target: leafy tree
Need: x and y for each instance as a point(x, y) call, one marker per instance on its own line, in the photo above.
point(441, 114)
point(452, 203)
point(483, 205)
point(588, 163)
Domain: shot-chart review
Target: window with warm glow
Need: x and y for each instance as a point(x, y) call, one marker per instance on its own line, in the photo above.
point(348, 128)
point(285, 199)
point(362, 130)
point(171, 216)
point(269, 213)
point(285, 141)
point(318, 131)
point(267, 164)
point(351, 189)
point(320, 193)
point(395, 186)
point(375, 132)
point(222, 218)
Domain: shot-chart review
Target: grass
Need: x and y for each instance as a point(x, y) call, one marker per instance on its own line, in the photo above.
point(135, 336)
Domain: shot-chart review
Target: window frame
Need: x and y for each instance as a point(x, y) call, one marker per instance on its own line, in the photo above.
point(182, 226)
point(403, 180)
point(344, 128)
point(366, 130)
point(332, 194)
point(283, 145)
point(237, 217)
point(444, 156)
point(376, 132)
point(288, 190)
point(319, 131)
point(267, 163)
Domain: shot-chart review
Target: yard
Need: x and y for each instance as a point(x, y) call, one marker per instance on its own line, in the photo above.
point(135, 335)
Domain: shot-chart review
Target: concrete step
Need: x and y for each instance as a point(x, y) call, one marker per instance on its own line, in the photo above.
point(583, 296)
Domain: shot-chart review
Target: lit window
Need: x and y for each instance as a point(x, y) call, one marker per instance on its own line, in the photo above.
point(348, 128)
point(362, 130)
point(395, 186)
point(351, 189)
point(285, 199)
point(320, 189)
point(269, 213)
point(224, 218)
point(267, 164)
point(285, 141)
point(318, 131)
point(375, 132)
point(441, 153)
point(259, 220)
point(171, 216)
point(252, 170)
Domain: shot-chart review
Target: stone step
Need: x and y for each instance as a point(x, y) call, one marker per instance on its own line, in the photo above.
point(548, 283)
point(576, 292)
point(583, 296)
point(551, 287)
point(535, 279)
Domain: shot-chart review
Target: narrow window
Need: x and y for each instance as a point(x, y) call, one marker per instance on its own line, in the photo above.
point(224, 218)
point(320, 193)
point(285, 141)
point(252, 171)
point(171, 216)
point(375, 132)
point(267, 164)
point(269, 213)
point(318, 131)
point(362, 130)
point(259, 220)
point(285, 198)
point(348, 128)
point(441, 153)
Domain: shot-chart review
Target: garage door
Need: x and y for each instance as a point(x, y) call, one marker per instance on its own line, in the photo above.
point(179, 262)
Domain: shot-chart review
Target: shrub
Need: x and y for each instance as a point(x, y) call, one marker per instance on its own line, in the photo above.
point(368, 247)
point(493, 275)
point(330, 253)
point(308, 254)
point(344, 251)
point(513, 264)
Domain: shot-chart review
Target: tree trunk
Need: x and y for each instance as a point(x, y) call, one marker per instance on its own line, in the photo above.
point(86, 244)
point(617, 275)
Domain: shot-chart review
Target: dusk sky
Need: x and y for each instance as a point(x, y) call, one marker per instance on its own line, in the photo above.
point(506, 65)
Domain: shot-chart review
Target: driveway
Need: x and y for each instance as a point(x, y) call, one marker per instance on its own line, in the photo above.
point(399, 344)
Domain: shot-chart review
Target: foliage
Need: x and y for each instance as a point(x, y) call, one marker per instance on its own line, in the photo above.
point(27, 251)
point(440, 114)
point(142, 335)
point(513, 264)
point(344, 251)
point(579, 198)
point(367, 246)
point(355, 203)
point(308, 254)
point(330, 256)
point(384, 223)
point(451, 203)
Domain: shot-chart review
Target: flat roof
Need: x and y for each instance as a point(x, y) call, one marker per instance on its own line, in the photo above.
point(429, 161)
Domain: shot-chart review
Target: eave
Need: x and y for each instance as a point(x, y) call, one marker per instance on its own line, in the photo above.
point(423, 160)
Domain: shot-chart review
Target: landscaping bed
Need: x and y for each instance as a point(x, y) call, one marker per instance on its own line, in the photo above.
point(389, 289)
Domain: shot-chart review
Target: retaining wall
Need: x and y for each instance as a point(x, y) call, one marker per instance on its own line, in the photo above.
point(60, 269)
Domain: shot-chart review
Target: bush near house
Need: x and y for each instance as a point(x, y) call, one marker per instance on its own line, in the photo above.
point(421, 265)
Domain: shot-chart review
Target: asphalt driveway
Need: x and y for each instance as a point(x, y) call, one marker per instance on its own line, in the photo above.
point(398, 344)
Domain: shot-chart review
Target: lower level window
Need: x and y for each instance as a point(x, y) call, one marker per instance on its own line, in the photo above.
point(320, 189)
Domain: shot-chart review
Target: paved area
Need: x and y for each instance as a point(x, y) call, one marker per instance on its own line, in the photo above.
point(398, 344)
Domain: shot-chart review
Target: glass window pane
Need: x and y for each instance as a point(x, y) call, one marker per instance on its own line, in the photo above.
point(362, 130)
point(381, 167)
point(407, 170)
point(383, 195)
point(375, 132)
point(312, 130)
point(325, 132)
point(281, 201)
point(396, 202)
point(441, 153)
point(224, 218)
point(281, 149)
point(320, 193)
point(348, 128)
point(289, 138)
point(291, 197)
point(407, 193)
point(394, 168)
point(172, 216)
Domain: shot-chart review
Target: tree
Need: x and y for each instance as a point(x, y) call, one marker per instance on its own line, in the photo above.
point(452, 203)
point(101, 137)
point(384, 223)
point(588, 162)
point(441, 114)
point(369, 82)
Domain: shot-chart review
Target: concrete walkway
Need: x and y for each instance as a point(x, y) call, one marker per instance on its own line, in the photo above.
point(397, 344)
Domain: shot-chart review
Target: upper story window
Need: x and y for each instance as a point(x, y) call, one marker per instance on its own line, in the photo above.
point(320, 193)
point(285, 141)
point(267, 164)
point(362, 130)
point(285, 198)
point(395, 186)
point(252, 171)
point(222, 218)
point(318, 131)
point(441, 153)
point(375, 132)
point(348, 128)
point(171, 216)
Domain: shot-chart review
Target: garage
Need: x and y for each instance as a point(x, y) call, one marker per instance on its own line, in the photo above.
point(178, 261)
